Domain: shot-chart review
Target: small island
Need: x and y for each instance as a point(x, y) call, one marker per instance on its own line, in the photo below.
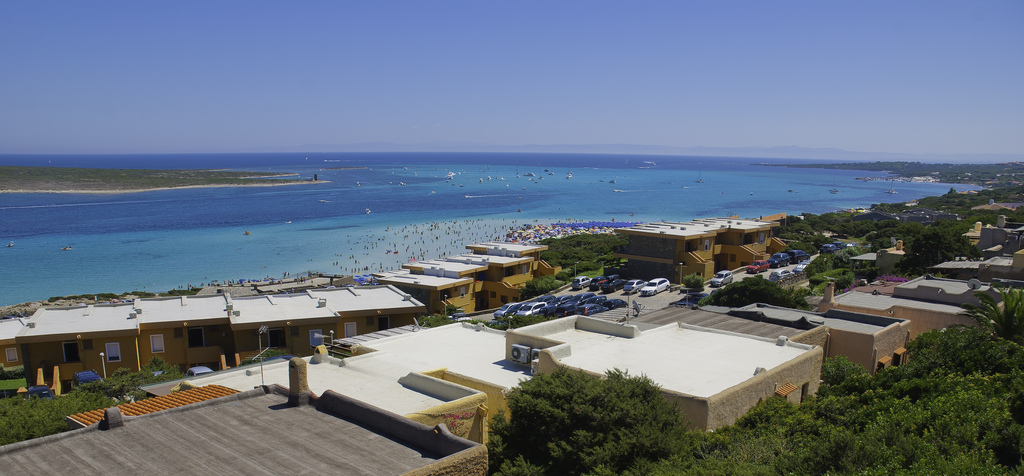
point(19, 179)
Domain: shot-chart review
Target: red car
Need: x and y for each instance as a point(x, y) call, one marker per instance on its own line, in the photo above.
point(757, 266)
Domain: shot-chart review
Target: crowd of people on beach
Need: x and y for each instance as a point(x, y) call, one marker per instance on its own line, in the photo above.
point(535, 233)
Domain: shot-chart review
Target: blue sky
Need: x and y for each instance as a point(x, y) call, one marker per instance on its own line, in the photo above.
point(926, 77)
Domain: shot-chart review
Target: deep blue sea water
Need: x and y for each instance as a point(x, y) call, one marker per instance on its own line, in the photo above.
point(162, 240)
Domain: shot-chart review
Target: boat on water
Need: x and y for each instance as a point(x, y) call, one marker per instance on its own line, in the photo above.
point(66, 248)
point(10, 245)
point(322, 201)
point(367, 211)
point(700, 174)
point(568, 175)
point(892, 191)
point(450, 175)
point(530, 174)
point(246, 234)
point(612, 181)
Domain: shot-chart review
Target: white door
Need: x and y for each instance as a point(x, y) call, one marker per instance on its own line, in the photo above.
point(350, 329)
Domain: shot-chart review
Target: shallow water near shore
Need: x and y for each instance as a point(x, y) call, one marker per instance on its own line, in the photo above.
point(161, 240)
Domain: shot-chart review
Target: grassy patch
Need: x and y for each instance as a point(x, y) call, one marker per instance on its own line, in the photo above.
point(12, 384)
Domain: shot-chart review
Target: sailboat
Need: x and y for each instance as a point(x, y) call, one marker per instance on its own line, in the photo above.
point(700, 173)
point(892, 191)
point(833, 190)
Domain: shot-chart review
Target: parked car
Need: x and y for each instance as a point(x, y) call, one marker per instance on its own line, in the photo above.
point(799, 268)
point(721, 278)
point(198, 370)
point(654, 286)
point(507, 309)
point(547, 298)
point(796, 256)
point(584, 296)
point(580, 282)
point(827, 248)
point(39, 391)
point(612, 286)
point(565, 309)
point(589, 309)
point(779, 275)
point(564, 298)
point(548, 310)
point(758, 266)
point(595, 300)
point(530, 308)
point(633, 286)
point(614, 304)
point(596, 283)
point(690, 299)
point(86, 376)
point(778, 260)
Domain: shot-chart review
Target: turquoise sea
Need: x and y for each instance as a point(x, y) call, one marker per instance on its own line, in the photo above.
point(161, 240)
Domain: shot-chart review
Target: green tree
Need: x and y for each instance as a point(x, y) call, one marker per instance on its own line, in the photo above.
point(1004, 319)
point(539, 287)
point(569, 423)
point(758, 290)
point(940, 242)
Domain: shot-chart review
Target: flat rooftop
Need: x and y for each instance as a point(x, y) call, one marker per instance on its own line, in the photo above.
point(690, 360)
point(448, 265)
point(491, 259)
point(518, 248)
point(254, 311)
point(70, 321)
point(405, 277)
point(250, 435)
point(697, 227)
point(374, 377)
point(183, 308)
point(717, 320)
point(883, 302)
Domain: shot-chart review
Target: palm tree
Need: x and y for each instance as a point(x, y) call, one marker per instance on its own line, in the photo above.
point(1005, 319)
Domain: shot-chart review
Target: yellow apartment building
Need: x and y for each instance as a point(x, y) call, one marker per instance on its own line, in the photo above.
point(216, 331)
point(9, 328)
point(703, 246)
point(488, 277)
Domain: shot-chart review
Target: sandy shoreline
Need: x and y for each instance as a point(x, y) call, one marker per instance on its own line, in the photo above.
point(154, 189)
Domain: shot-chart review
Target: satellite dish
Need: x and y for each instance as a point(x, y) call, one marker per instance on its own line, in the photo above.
point(636, 306)
point(974, 284)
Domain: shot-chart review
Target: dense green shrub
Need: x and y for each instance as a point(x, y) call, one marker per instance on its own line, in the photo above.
point(23, 419)
point(539, 287)
point(570, 423)
point(758, 290)
point(694, 281)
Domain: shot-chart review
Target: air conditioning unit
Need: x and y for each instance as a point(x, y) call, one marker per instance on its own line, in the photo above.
point(521, 353)
point(534, 354)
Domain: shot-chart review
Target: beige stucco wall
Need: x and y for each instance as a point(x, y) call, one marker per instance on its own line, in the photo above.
point(856, 346)
point(817, 336)
point(727, 406)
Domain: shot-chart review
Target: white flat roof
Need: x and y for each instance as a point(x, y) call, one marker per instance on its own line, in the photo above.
point(690, 360)
point(456, 266)
point(504, 245)
point(366, 298)
point(883, 302)
point(183, 308)
point(80, 320)
point(496, 259)
point(404, 276)
point(10, 328)
point(373, 377)
point(698, 227)
point(278, 307)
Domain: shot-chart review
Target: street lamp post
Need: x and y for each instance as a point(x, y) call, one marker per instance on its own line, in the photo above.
point(104, 360)
point(574, 268)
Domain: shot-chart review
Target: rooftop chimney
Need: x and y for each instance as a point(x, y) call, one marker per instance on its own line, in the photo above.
point(829, 300)
point(298, 385)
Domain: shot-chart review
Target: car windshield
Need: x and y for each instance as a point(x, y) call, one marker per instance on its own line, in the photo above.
point(721, 274)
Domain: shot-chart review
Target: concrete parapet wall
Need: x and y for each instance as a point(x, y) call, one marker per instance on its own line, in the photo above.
point(817, 336)
point(601, 326)
point(392, 425)
point(495, 393)
point(727, 406)
point(435, 387)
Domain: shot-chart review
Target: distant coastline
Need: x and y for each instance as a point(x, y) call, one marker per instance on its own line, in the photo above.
point(118, 181)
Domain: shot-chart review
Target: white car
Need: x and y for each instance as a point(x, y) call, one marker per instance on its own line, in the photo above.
point(779, 275)
point(721, 279)
point(581, 282)
point(800, 267)
point(633, 286)
point(654, 286)
point(530, 309)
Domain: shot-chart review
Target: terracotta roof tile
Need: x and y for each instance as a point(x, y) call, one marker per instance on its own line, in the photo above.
point(155, 404)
